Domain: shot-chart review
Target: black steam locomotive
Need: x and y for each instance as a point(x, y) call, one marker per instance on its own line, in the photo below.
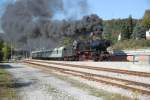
point(92, 50)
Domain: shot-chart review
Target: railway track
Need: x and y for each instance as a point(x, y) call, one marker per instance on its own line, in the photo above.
point(136, 73)
point(123, 83)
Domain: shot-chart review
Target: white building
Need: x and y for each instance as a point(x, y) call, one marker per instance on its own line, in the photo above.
point(148, 35)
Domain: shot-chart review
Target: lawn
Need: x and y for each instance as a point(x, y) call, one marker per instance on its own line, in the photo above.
point(7, 91)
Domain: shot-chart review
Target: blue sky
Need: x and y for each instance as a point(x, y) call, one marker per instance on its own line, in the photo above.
point(108, 9)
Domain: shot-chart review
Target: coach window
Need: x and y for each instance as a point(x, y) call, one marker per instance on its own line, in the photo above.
point(65, 50)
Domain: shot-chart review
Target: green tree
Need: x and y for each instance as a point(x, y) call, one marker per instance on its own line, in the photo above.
point(125, 31)
point(6, 52)
point(112, 28)
point(139, 31)
point(146, 19)
point(1, 53)
point(66, 41)
point(130, 26)
point(127, 28)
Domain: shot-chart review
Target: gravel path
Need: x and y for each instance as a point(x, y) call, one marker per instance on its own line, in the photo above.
point(33, 84)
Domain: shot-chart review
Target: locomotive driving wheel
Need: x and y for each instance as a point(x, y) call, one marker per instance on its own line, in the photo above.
point(95, 57)
point(82, 57)
point(101, 58)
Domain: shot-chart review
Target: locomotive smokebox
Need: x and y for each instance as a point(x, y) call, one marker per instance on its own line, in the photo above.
point(97, 44)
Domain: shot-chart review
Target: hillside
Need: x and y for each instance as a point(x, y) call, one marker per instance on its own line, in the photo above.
point(131, 44)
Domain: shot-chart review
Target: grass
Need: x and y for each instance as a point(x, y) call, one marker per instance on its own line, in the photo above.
point(7, 92)
point(93, 91)
point(131, 44)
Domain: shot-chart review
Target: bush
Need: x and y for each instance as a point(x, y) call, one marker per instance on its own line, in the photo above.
point(1, 53)
point(6, 53)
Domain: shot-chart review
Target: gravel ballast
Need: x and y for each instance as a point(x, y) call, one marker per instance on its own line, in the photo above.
point(33, 84)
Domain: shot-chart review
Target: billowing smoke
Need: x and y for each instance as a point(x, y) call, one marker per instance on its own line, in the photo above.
point(22, 17)
point(31, 24)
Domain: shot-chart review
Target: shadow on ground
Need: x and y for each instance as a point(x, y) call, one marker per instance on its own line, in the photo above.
point(16, 84)
point(20, 84)
point(7, 66)
point(13, 82)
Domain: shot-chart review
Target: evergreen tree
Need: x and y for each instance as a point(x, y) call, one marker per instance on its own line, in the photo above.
point(127, 28)
point(125, 31)
point(139, 31)
point(130, 26)
point(146, 19)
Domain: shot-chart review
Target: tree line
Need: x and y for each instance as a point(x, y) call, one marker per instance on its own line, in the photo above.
point(129, 28)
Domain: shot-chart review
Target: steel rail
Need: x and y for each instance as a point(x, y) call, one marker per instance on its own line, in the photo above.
point(128, 72)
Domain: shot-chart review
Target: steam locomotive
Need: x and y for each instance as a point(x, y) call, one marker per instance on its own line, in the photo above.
point(80, 50)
